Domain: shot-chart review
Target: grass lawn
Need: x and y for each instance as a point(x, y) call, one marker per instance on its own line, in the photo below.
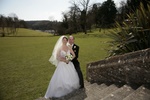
point(25, 71)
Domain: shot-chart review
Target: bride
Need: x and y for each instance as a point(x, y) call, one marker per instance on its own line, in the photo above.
point(65, 78)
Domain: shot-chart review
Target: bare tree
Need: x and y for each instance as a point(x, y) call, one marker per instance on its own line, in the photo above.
point(122, 3)
point(82, 6)
point(74, 17)
point(14, 23)
point(2, 25)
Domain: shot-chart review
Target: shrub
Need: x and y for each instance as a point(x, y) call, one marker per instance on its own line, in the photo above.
point(133, 34)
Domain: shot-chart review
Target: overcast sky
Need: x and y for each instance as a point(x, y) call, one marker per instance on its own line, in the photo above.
point(38, 9)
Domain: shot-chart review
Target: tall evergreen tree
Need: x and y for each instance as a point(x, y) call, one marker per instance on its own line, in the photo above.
point(107, 13)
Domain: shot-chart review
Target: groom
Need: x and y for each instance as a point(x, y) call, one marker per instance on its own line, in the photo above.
point(75, 61)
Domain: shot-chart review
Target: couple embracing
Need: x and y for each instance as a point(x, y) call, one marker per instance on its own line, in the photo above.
point(67, 76)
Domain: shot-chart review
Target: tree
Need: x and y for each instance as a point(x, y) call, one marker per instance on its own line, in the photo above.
point(83, 6)
point(73, 20)
point(83, 20)
point(123, 11)
point(2, 25)
point(90, 19)
point(95, 13)
point(13, 23)
point(107, 13)
point(22, 24)
point(10, 24)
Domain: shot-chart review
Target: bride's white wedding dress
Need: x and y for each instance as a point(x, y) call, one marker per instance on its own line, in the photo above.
point(64, 79)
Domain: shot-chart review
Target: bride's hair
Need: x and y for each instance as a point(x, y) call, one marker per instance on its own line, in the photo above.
point(53, 58)
point(65, 37)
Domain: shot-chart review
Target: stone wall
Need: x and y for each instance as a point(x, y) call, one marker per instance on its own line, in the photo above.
point(128, 68)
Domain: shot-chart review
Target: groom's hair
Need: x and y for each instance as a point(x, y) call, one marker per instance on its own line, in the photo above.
point(72, 37)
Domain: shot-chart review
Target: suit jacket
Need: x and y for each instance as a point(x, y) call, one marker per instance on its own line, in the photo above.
point(75, 49)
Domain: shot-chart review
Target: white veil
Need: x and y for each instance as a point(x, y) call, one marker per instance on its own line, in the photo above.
point(53, 59)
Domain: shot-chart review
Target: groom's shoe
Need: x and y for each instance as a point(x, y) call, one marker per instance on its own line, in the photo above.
point(81, 87)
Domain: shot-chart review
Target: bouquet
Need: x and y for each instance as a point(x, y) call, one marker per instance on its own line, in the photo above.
point(69, 57)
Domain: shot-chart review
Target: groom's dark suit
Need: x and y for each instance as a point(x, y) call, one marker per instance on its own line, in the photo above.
point(76, 63)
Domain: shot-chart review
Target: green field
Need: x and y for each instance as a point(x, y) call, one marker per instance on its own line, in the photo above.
point(25, 71)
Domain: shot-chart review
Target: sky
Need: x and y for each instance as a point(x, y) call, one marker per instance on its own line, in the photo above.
point(38, 9)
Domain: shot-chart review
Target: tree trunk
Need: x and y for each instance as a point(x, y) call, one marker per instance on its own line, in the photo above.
point(85, 31)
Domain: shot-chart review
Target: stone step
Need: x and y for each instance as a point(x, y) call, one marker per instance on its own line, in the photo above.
point(108, 90)
point(101, 87)
point(79, 96)
point(142, 93)
point(86, 83)
point(93, 91)
point(120, 93)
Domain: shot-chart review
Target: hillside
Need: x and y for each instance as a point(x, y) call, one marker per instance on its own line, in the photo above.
point(22, 32)
point(42, 24)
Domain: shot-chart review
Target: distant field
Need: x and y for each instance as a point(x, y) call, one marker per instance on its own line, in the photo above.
point(27, 32)
point(24, 68)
